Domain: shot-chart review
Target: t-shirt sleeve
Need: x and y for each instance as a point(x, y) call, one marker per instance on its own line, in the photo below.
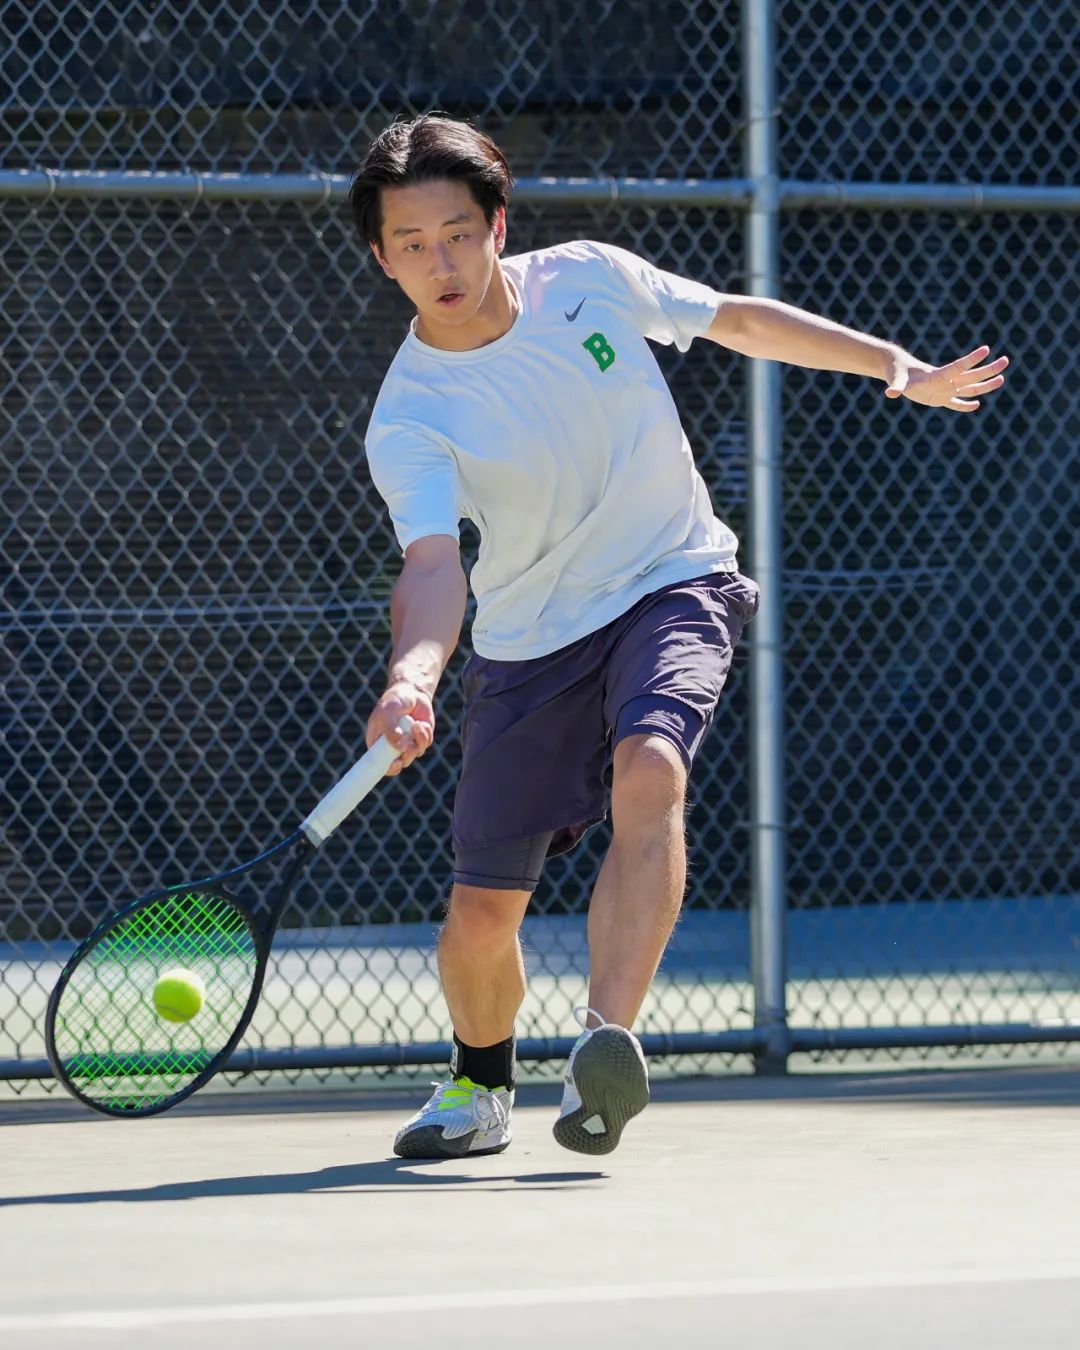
point(667, 308)
point(416, 477)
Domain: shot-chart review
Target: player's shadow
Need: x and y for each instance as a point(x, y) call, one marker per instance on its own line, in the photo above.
point(369, 1178)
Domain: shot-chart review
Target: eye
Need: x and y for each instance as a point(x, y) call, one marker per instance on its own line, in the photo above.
point(458, 236)
point(410, 247)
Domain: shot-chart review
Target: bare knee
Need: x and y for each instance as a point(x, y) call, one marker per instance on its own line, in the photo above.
point(649, 780)
point(483, 918)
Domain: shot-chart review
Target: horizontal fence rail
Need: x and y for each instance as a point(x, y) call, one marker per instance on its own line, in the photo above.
point(323, 188)
point(534, 1050)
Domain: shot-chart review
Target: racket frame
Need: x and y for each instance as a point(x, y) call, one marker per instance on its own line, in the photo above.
point(337, 804)
point(262, 934)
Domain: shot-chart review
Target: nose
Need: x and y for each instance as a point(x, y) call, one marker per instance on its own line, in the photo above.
point(441, 265)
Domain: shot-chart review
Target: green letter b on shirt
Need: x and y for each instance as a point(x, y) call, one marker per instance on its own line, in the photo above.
point(597, 347)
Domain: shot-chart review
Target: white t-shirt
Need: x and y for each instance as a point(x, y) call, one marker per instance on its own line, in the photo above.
point(562, 443)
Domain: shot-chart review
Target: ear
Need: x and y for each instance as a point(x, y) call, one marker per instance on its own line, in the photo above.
point(381, 261)
point(498, 228)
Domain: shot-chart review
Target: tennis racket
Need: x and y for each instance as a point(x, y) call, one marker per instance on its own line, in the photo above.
point(106, 1041)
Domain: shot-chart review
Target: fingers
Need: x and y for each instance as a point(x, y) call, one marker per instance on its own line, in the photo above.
point(983, 387)
point(403, 740)
point(971, 380)
point(965, 366)
point(984, 372)
point(420, 738)
point(417, 743)
point(964, 363)
point(400, 701)
point(412, 746)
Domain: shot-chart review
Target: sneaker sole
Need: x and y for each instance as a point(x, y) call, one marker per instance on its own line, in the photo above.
point(428, 1142)
point(613, 1085)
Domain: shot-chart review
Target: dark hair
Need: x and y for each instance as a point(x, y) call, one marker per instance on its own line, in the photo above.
point(427, 148)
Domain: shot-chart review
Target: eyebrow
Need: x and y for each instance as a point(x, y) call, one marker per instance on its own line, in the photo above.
point(459, 219)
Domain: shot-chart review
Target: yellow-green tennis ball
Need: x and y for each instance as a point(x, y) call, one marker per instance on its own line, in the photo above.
point(178, 995)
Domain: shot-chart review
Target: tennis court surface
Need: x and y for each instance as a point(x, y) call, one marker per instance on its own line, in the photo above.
point(925, 1209)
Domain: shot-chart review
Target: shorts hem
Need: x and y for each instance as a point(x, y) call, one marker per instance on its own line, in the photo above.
point(490, 883)
point(639, 725)
point(669, 736)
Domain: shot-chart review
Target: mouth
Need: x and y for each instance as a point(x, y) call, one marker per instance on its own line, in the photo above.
point(449, 299)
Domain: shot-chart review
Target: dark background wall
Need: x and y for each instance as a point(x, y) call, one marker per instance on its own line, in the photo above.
point(198, 569)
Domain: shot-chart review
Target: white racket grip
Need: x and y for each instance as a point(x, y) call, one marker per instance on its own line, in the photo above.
point(347, 794)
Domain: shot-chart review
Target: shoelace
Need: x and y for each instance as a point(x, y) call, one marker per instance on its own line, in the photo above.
point(582, 1015)
point(488, 1110)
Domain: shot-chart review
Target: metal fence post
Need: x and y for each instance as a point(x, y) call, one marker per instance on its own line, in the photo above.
point(766, 684)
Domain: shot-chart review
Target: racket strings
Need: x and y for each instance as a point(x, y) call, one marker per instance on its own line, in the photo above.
point(113, 1044)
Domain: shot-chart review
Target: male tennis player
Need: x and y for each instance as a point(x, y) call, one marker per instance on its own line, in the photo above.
point(525, 397)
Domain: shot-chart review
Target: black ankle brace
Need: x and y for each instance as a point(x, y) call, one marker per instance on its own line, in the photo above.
point(490, 1066)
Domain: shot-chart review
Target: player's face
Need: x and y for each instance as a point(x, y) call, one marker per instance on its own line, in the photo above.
point(441, 251)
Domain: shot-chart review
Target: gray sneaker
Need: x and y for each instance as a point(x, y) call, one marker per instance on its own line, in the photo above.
point(459, 1119)
point(606, 1084)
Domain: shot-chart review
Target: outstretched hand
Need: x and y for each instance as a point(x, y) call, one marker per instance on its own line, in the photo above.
point(957, 385)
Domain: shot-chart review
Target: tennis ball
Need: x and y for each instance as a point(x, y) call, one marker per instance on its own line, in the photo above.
point(178, 995)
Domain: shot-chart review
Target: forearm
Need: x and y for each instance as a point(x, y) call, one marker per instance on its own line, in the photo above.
point(778, 332)
point(427, 609)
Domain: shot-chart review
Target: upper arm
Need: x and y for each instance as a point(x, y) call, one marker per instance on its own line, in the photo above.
point(727, 323)
point(433, 551)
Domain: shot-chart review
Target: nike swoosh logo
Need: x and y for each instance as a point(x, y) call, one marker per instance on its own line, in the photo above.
point(571, 317)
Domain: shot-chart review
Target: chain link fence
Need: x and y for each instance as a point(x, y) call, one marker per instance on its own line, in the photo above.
point(198, 570)
point(931, 601)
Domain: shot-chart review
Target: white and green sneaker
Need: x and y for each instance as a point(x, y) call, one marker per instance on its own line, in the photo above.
point(606, 1084)
point(460, 1119)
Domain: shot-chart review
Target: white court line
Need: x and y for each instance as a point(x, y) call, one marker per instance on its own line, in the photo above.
point(125, 1318)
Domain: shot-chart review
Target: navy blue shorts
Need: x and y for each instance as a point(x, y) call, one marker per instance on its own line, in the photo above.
point(539, 736)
